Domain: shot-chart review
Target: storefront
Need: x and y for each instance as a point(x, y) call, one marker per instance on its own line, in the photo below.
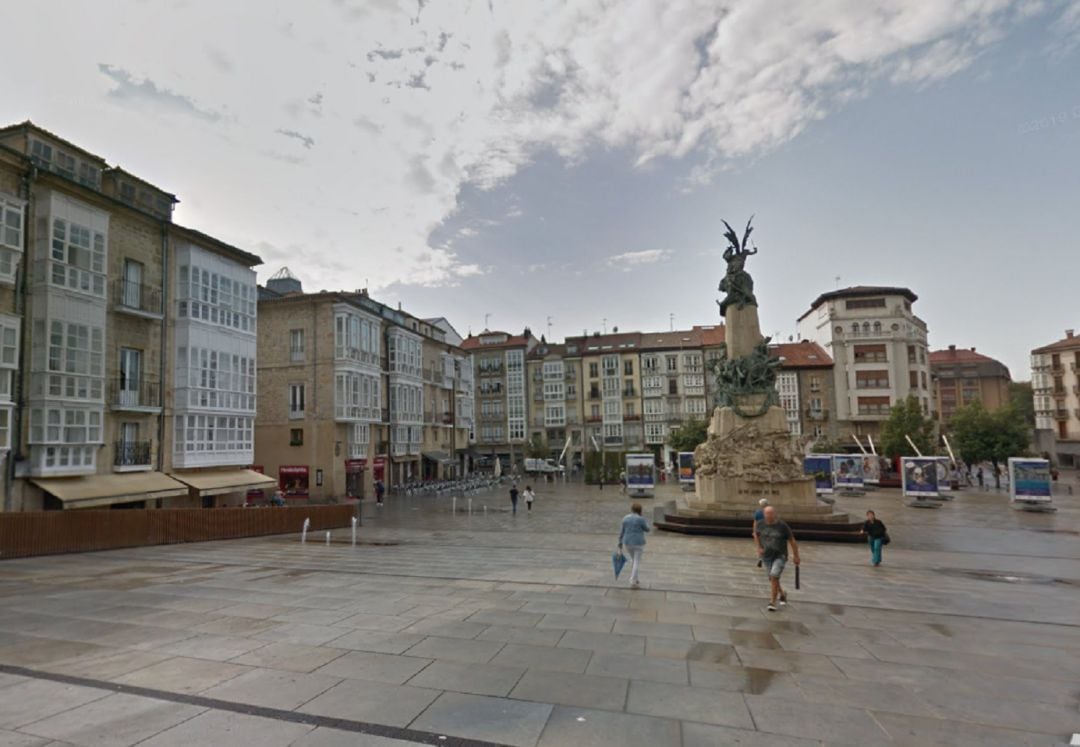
point(294, 480)
point(354, 477)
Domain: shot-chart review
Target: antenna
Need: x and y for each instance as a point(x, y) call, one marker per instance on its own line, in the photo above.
point(549, 329)
point(486, 317)
point(838, 282)
point(604, 322)
point(671, 321)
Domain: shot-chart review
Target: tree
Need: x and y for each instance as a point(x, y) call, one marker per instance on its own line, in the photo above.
point(688, 435)
point(1022, 398)
point(536, 449)
point(979, 435)
point(907, 419)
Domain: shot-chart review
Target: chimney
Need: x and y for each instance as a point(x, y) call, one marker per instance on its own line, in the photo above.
point(973, 350)
point(284, 282)
point(952, 348)
point(1069, 333)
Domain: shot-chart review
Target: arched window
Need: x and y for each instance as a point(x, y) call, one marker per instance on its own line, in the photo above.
point(854, 328)
point(877, 328)
point(866, 328)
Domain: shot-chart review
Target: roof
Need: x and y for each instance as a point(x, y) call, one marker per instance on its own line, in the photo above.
point(545, 349)
point(674, 340)
point(28, 125)
point(472, 342)
point(251, 259)
point(858, 291)
point(711, 334)
point(804, 354)
point(1070, 342)
point(594, 344)
point(958, 355)
point(129, 175)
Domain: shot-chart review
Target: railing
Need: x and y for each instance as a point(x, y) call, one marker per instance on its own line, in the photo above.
point(631, 417)
point(1057, 368)
point(125, 393)
point(137, 297)
point(448, 418)
point(131, 453)
point(629, 393)
point(817, 414)
point(1061, 415)
point(593, 419)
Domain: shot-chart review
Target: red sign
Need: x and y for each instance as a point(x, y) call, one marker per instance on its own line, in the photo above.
point(293, 480)
point(352, 466)
point(378, 468)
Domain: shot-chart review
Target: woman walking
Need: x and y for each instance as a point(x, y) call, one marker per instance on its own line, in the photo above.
point(529, 497)
point(876, 533)
point(632, 536)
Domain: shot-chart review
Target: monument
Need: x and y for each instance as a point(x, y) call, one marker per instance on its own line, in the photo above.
point(750, 453)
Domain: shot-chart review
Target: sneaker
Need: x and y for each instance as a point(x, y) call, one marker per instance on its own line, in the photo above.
point(771, 607)
point(783, 599)
point(635, 584)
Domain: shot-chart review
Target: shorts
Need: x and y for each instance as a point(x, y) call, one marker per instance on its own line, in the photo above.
point(774, 566)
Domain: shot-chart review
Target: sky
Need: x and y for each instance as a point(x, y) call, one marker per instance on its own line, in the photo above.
point(567, 166)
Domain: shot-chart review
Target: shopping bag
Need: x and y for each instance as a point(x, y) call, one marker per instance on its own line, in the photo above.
point(796, 577)
point(618, 560)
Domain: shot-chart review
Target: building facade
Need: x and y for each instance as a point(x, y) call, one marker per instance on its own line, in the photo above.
point(804, 384)
point(879, 349)
point(555, 420)
point(610, 387)
point(353, 392)
point(1055, 383)
point(94, 318)
point(961, 377)
point(673, 386)
point(501, 410)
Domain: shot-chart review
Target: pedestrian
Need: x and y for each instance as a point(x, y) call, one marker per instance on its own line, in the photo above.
point(772, 537)
point(622, 482)
point(632, 537)
point(979, 476)
point(759, 515)
point(601, 480)
point(277, 499)
point(876, 534)
point(513, 499)
point(529, 496)
point(380, 490)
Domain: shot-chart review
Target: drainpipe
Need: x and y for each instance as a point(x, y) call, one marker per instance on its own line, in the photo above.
point(163, 355)
point(26, 193)
point(313, 449)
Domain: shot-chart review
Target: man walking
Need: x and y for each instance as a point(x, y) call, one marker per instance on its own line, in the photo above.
point(513, 499)
point(772, 537)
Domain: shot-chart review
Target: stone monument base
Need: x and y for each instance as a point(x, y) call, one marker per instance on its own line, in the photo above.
point(746, 459)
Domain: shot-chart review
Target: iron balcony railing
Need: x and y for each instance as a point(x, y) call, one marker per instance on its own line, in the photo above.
point(131, 453)
point(126, 392)
point(137, 296)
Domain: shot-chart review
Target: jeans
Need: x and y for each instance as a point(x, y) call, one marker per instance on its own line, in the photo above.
point(634, 551)
point(875, 549)
point(513, 503)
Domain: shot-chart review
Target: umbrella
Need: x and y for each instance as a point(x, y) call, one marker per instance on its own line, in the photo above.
point(618, 560)
point(498, 468)
point(796, 577)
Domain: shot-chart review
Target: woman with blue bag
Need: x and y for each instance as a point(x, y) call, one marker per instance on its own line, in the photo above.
point(632, 537)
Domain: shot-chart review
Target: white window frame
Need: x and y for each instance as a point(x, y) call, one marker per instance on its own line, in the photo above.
point(12, 234)
point(296, 401)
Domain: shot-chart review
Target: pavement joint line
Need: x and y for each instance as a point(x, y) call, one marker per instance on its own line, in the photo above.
point(702, 592)
point(277, 714)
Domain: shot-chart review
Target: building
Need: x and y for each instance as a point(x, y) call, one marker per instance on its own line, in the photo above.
point(673, 386)
point(353, 391)
point(610, 389)
point(962, 376)
point(502, 412)
point(879, 349)
point(121, 336)
point(805, 385)
point(555, 402)
point(713, 350)
point(1055, 383)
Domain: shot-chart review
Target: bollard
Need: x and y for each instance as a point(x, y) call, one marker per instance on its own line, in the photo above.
point(453, 505)
point(354, 531)
point(328, 538)
point(470, 507)
point(485, 509)
point(303, 532)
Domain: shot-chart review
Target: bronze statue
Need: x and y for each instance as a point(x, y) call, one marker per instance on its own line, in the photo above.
point(737, 283)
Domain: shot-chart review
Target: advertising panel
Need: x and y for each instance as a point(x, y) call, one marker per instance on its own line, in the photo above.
point(1029, 480)
point(871, 469)
point(820, 467)
point(640, 474)
point(944, 467)
point(848, 471)
point(686, 467)
point(293, 480)
point(919, 475)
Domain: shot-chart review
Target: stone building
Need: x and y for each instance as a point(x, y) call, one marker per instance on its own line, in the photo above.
point(353, 391)
point(610, 388)
point(805, 385)
point(1055, 382)
point(102, 299)
point(673, 385)
point(962, 376)
point(555, 401)
point(501, 393)
point(879, 349)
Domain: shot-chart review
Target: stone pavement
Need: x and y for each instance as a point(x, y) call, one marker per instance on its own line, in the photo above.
point(489, 628)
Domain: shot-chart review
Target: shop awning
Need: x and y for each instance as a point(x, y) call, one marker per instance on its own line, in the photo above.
point(439, 456)
point(104, 490)
point(225, 481)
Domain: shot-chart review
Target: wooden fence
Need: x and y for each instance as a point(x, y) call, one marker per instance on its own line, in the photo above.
point(52, 532)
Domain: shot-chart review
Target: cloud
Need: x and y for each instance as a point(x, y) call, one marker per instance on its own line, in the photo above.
point(306, 141)
point(146, 93)
point(218, 58)
point(629, 260)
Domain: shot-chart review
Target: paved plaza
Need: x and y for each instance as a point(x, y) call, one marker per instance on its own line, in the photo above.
point(489, 628)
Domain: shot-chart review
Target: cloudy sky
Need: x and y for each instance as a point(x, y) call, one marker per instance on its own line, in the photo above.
point(530, 160)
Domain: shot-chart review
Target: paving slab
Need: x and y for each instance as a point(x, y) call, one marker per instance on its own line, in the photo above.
point(114, 721)
point(653, 669)
point(567, 688)
point(608, 642)
point(542, 658)
point(272, 688)
point(15, 739)
point(500, 720)
point(374, 702)
point(688, 703)
point(216, 728)
point(456, 649)
point(366, 665)
point(829, 723)
point(914, 731)
point(327, 737)
point(182, 675)
point(27, 702)
point(294, 657)
point(475, 679)
point(583, 727)
point(708, 735)
point(532, 636)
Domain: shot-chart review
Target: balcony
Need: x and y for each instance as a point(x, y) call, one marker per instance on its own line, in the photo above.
point(137, 299)
point(1061, 414)
point(628, 418)
point(1059, 391)
point(131, 456)
point(1057, 368)
point(594, 419)
point(134, 396)
point(448, 418)
point(629, 394)
point(817, 414)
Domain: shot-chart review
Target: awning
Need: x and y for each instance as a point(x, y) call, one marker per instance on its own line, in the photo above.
point(439, 456)
point(216, 482)
point(104, 490)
